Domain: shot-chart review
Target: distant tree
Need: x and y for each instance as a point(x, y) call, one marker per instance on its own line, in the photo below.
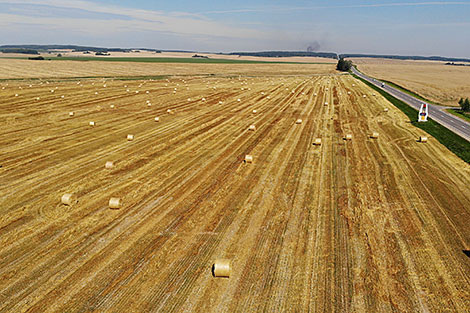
point(461, 102)
point(59, 55)
point(343, 65)
point(466, 105)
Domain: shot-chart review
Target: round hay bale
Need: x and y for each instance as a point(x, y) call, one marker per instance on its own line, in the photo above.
point(169, 111)
point(252, 128)
point(112, 106)
point(239, 100)
point(92, 124)
point(254, 111)
point(157, 119)
point(16, 95)
point(299, 121)
point(130, 137)
point(221, 268)
point(71, 113)
point(67, 199)
point(115, 203)
point(386, 110)
point(317, 142)
point(348, 137)
point(423, 139)
point(109, 164)
point(364, 96)
point(374, 135)
point(248, 158)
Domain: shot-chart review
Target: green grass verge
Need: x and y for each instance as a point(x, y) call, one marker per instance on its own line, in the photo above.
point(164, 60)
point(459, 113)
point(453, 142)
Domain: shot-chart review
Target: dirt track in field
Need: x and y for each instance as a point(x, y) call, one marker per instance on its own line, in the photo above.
point(368, 225)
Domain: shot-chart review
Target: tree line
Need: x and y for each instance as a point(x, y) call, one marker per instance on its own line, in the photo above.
point(18, 50)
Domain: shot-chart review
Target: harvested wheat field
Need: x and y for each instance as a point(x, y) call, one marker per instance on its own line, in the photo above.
point(360, 225)
point(440, 83)
point(12, 68)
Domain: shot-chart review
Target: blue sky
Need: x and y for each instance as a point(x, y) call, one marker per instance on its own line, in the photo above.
point(385, 27)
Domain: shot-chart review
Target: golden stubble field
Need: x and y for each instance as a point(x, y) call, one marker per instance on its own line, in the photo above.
point(366, 225)
point(443, 84)
point(15, 68)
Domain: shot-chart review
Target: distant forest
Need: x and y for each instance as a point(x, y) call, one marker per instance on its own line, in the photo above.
point(281, 54)
point(404, 57)
point(18, 50)
point(35, 49)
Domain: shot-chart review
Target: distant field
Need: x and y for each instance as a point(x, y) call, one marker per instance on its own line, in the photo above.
point(435, 81)
point(17, 68)
point(171, 56)
point(166, 60)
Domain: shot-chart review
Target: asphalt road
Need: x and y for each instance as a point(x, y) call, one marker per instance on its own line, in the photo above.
point(437, 113)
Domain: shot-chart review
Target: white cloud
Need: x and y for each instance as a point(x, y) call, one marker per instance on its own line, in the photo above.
point(135, 20)
point(371, 5)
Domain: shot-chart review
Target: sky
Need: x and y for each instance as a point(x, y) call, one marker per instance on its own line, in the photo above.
point(378, 27)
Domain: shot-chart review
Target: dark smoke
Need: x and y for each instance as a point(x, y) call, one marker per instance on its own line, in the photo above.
point(314, 46)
